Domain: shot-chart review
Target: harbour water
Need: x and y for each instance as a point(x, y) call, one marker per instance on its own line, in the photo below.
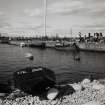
point(67, 70)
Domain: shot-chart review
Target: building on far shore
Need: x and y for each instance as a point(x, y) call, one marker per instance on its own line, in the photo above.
point(4, 40)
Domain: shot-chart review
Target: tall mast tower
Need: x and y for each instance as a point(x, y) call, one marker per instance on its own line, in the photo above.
point(45, 16)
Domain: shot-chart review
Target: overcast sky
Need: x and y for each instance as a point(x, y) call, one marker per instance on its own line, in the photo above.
point(26, 16)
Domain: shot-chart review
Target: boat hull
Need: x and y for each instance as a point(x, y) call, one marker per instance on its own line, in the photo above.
point(39, 45)
point(93, 47)
point(72, 47)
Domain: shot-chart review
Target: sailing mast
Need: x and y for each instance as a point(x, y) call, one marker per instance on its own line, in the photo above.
point(44, 26)
point(71, 32)
point(45, 16)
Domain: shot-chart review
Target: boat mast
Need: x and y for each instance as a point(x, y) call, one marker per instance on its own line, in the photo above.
point(71, 32)
point(45, 16)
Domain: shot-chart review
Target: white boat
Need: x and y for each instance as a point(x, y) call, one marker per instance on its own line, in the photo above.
point(69, 47)
point(22, 44)
point(93, 46)
point(29, 56)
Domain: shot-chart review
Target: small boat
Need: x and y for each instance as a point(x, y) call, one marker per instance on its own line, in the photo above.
point(34, 79)
point(38, 45)
point(65, 48)
point(69, 47)
point(58, 44)
point(22, 44)
point(4, 40)
point(29, 56)
point(76, 54)
point(77, 58)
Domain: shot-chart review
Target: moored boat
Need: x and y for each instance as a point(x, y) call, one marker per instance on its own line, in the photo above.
point(22, 44)
point(93, 47)
point(38, 45)
point(4, 40)
point(69, 47)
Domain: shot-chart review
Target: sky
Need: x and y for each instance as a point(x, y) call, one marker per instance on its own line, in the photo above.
point(26, 17)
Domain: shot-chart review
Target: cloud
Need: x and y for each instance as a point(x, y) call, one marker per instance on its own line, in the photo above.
point(19, 24)
point(77, 7)
point(1, 13)
point(60, 7)
point(77, 13)
point(61, 15)
point(33, 12)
